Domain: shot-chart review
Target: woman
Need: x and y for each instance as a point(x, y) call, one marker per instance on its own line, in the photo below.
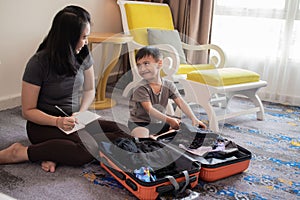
point(60, 73)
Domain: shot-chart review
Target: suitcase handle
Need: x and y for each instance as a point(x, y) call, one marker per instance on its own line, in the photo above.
point(167, 188)
point(187, 178)
point(173, 181)
point(176, 185)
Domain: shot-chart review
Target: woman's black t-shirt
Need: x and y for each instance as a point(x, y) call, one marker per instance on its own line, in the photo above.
point(64, 91)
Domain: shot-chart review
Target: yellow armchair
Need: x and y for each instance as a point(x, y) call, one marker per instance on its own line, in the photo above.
point(204, 84)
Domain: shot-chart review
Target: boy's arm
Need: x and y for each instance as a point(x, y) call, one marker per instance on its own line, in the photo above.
point(147, 105)
point(188, 111)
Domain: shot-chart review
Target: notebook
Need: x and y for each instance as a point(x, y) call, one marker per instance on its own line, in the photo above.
point(83, 118)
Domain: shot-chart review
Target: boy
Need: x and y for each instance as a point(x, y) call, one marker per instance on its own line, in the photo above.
point(150, 98)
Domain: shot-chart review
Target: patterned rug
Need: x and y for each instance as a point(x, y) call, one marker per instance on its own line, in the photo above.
point(275, 146)
point(273, 172)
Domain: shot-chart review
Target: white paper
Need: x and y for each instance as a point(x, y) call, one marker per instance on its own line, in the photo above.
point(86, 117)
point(83, 118)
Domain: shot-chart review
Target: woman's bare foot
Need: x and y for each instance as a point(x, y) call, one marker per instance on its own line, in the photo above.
point(15, 153)
point(48, 166)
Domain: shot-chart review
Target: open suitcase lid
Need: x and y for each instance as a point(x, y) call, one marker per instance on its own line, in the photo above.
point(205, 146)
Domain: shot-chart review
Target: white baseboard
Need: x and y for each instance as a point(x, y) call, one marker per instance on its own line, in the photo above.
point(6, 197)
point(10, 102)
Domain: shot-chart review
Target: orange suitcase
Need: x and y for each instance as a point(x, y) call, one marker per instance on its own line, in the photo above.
point(208, 172)
point(121, 165)
point(214, 172)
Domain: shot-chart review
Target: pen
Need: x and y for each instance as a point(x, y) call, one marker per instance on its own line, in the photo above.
point(61, 110)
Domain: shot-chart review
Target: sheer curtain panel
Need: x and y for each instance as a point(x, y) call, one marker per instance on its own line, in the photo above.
point(263, 36)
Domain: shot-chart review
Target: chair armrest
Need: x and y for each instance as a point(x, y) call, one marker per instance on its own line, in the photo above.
point(132, 47)
point(171, 59)
point(218, 60)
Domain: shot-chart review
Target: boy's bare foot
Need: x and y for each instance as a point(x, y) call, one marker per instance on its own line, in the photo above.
point(15, 153)
point(48, 166)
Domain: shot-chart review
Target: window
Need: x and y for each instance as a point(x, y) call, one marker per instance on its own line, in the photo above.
point(257, 28)
point(262, 36)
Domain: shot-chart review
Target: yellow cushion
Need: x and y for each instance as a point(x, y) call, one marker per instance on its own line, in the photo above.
point(158, 16)
point(223, 77)
point(187, 68)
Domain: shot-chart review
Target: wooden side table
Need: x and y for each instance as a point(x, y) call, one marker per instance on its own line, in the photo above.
point(106, 39)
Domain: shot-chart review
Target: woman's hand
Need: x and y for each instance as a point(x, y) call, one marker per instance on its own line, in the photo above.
point(66, 123)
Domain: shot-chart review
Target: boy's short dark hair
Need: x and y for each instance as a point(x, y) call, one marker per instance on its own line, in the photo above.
point(148, 51)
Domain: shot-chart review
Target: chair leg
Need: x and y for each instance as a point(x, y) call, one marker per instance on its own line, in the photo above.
point(212, 118)
point(170, 109)
point(228, 97)
point(219, 100)
point(251, 94)
point(178, 112)
point(260, 115)
point(127, 90)
point(203, 99)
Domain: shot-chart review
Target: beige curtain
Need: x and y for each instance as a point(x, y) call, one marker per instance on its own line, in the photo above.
point(193, 19)
point(156, 1)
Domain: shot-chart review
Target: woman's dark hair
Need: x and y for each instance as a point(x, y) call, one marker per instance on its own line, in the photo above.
point(61, 41)
point(148, 51)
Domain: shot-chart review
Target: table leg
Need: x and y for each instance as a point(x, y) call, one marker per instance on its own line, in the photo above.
point(101, 102)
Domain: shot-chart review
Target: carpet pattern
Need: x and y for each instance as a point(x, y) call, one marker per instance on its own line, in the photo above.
point(274, 168)
point(27, 181)
point(273, 172)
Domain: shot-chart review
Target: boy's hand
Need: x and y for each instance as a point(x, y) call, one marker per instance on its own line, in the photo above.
point(174, 123)
point(199, 124)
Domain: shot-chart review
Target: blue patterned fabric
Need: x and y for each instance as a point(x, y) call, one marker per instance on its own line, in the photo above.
point(274, 170)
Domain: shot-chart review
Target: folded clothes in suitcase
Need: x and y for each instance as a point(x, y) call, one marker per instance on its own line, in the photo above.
point(147, 168)
point(219, 157)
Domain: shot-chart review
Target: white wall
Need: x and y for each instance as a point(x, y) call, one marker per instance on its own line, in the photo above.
point(24, 24)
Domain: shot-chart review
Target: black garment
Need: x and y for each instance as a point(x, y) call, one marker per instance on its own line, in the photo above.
point(51, 144)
